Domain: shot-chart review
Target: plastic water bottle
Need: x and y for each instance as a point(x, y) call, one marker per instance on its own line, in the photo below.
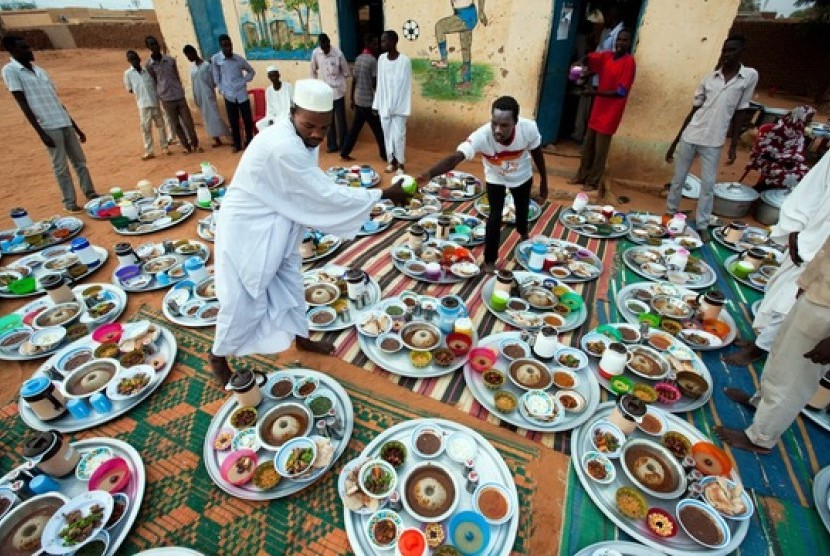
point(203, 196)
point(208, 171)
point(536, 261)
point(195, 268)
point(85, 252)
point(21, 217)
point(677, 224)
point(366, 176)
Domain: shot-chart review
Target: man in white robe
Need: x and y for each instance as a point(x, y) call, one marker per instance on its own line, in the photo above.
point(277, 193)
point(393, 99)
point(277, 100)
point(803, 225)
point(204, 94)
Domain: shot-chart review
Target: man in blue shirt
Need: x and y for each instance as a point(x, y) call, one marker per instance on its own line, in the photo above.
point(231, 73)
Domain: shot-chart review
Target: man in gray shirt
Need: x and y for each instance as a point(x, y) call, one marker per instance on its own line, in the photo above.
point(363, 93)
point(231, 73)
point(171, 93)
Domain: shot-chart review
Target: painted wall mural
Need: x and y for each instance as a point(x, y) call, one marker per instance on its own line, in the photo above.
point(279, 29)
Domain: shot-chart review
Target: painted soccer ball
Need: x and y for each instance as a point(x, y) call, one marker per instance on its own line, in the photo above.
point(411, 30)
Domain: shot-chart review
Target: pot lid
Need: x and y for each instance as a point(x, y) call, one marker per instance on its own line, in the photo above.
point(35, 386)
point(775, 197)
point(40, 444)
point(691, 188)
point(734, 191)
point(241, 380)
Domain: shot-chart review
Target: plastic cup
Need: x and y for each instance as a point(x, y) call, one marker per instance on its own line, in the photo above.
point(499, 300)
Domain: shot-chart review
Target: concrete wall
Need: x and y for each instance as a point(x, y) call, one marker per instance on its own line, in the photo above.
point(25, 18)
point(679, 42)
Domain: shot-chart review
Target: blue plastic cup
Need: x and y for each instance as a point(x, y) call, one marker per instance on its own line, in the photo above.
point(101, 403)
point(79, 409)
point(42, 484)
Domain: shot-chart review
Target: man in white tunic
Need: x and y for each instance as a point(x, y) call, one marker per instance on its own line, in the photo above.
point(277, 100)
point(277, 193)
point(393, 99)
point(204, 93)
point(803, 225)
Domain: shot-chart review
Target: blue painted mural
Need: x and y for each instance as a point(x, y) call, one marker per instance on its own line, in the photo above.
point(279, 29)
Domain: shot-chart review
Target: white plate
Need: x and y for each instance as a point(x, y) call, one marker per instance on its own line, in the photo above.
point(50, 539)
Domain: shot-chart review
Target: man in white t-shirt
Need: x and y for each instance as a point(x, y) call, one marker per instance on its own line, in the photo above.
point(507, 145)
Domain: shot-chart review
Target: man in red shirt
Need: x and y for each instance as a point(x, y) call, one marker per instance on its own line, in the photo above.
point(616, 75)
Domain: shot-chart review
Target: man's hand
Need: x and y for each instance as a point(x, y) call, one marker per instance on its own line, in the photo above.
point(733, 154)
point(422, 179)
point(543, 194)
point(81, 136)
point(670, 153)
point(820, 354)
point(396, 194)
point(47, 140)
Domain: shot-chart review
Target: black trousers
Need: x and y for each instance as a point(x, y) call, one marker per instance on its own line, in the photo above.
point(337, 134)
point(364, 115)
point(234, 110)
point(496, 194)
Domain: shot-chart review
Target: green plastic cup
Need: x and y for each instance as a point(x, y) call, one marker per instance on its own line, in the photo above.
point(499, 300)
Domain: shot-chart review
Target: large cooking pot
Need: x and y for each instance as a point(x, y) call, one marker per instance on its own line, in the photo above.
point(733, 200)
point(768, 208)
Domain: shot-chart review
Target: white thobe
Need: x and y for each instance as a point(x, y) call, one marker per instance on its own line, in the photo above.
point(393, 102)
point(277, 105)
point(277, 193)
point(807, 211)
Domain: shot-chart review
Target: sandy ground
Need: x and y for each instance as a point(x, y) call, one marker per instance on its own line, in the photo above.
point(89, 83)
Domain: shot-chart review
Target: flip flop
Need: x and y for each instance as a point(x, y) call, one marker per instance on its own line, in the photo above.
point(738, 439)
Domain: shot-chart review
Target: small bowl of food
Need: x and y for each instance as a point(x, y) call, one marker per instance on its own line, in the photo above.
point(394, 453)
point(607, 439)
point(644, 392)
point(703, 524)
point(661, 523)
point(629, 334)
point(111, 476)
point(564, 378)
point(505, 401)
point(494, 502)
point(660, 340)
point(266, 476)
point(120, 505)
point(512, 349)
point(571, 358)
point(239, 467)
point(296, 457)
point(483, 358)
point(48, 339)
point(222, 439)
point(416, 268)
point(306, 386)
point(493, 379)
point(459, 343)
point(559, 272)
point(598, 467)
point(571, 401)
point(243, 417)
point(374, 323)
point(631, 503)
point(636, 306)
point(377, 478)
point(653, 423)
point(427, 441)
point(595, 344)
point(383, 529)
point(279, 386)
point(322, 316)
point(108, 333)
point(319, 294)
point(63, 314)
point(517, 304)
point(677, 444)
point(131, 382)
point(727, 497)
point(389, 343)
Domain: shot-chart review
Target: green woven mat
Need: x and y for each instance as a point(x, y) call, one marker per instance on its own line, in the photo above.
point(183, 507)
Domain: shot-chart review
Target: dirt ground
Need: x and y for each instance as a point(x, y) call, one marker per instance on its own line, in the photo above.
point(89, 83)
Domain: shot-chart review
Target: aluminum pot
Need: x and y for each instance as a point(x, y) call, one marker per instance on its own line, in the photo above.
point(733, 200)
point(768, 208)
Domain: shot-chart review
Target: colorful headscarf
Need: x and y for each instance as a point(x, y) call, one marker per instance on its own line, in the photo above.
point(778, 154)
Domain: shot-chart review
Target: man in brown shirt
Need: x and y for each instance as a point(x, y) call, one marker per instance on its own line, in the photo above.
point(799, 358)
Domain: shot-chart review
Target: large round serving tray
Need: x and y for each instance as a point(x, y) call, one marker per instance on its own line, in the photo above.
point(588, 387)
point(619, 230)
point(71, 486)
point(447, 277)
point(171, 186)
point(339, 172)
point(625, 548)
point(311, 276)
point(627, 293)
point(334, 244)
point(727, 264)
point(430, 205)
point(203, 228)
point(196, 321)
point(166, 346)
point(399, 363)
point(489, 465)
point(743, 245)
point(430, 223)
point(684, 404)
point(186, 210)
point(113, 293)
point(821, 495)
point(522, 249)
point(820, 418)
point(436, 188)
point(159, 250)
point(755, 306)
point(573, 320)
point(706, 278)
point(644, 219)
point(71, 223)
point(603, 495)
point(286, 487)
point(92, 206)
point(40, 270)
point(482, 207)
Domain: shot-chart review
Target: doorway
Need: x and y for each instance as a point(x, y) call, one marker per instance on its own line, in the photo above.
point(578, 27)
point(356, 18)
point(209, 22)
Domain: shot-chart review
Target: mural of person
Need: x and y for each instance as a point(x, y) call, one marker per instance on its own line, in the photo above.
point(464, 19)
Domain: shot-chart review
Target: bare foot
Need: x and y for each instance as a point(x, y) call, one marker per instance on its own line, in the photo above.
point(740, 396)
point(576, 181)
point(739, 439)
point(221, 370)
point(314, 346)
point(741, 342)
point(346, 158)
point(217, 142)
point(745, 356)
point(589, 187)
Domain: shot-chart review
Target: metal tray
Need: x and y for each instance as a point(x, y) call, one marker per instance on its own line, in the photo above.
point(213, 459)
point(742, 246)
point(433, 187)
point(333, 171)
point(203, 253)
point(572, 321)
point(39, 271)
point(458, 218)
point(483, 209)
point(755, 306)
point(727, 264)
point(603, 495)
point(489, 465)
point(649, 218)
point(431, 205)
point(332, 248)
point(627, 293)
point(821, 495)
point(446, 276)
point(383, 227)
point(117, 293)
point(166, 346)
point(706, 279)
point(684, 404)
point(187, 209)
point(820, 418)
point(623, 230)
point(71, 486)
point(93, 204)
point(521, 250)
point(623, 547)
point(184, 320)
point(399, 363)
point(75, 225)
point(588, 387)
point(375, 295)
point(165, 187)
point(203, 229)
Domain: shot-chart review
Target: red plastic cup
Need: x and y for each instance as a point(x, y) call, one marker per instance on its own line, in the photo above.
point(182, 176)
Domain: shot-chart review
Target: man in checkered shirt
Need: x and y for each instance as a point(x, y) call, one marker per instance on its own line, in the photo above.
point(36, 95)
